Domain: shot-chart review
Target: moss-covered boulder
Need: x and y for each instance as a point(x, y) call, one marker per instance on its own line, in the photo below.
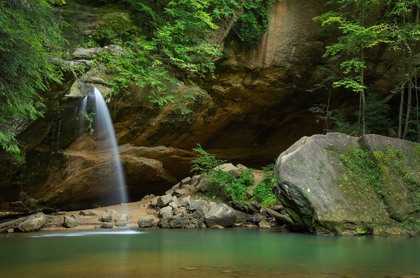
point(340, 184)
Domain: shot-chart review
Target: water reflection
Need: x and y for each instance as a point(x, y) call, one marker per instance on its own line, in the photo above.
point(90, 233)
point(205, 253)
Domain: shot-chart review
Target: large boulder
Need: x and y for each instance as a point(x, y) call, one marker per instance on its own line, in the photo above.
point(340, 184)
point(220, 215)
point(34, 222)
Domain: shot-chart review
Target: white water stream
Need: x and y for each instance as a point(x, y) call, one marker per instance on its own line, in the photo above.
point(104, 124)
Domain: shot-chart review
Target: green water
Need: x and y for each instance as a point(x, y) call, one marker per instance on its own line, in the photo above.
point(206, 253)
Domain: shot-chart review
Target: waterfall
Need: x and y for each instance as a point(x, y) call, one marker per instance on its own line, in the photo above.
point(82, 116)
point(104, 124)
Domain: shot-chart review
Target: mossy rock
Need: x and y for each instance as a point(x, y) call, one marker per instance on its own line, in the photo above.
point(344, 185)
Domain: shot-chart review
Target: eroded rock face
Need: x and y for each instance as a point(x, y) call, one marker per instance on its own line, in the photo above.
point(340, 184)
point(255, 108)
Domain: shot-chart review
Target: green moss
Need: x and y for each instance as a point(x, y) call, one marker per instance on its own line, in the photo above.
point(393, 175)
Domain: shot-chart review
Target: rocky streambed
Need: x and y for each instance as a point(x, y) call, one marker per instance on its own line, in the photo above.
point(327, 184)
point(184, 206)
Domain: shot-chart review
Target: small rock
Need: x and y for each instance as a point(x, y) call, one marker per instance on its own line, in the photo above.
point(195, 179)
point(230, 169)
point(197, 204)
point(120, 224)
point(218, 227)
point(202, 185)
point(179, 211)
point(173, 205)
point(186, 181)
point(189, 268)
point(145, 222)
point(163, 223)
point(107, 225)
point(165, 212)
point(277, 208)
point(280, 217)
point(199, 213)
point(256, 218)
point(61, 213)
point(185, 202)
point(9, 231)
point(180, 192)
point(109, 216)
point(70, 222)
point(87, 213)
point(162, 201)
point(241, 217)
point(169, 192)
point(153, 203)
point(122, 218)
point(264, 225)
point(238, 206)
point(178, 222)
point(241, 167)
point(176, 186)
point(174, 199)
point(253, 207)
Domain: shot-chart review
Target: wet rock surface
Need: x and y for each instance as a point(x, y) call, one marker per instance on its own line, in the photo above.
point(323, 188)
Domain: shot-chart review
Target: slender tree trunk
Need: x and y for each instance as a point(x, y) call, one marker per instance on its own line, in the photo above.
point(400, 114)
point(327, 124)
point(359, 121)
point(363, 98)
point(417, 107)
point(407, 116)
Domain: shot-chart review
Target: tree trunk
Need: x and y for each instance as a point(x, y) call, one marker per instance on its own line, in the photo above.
point(400, 114)
point(407, 116)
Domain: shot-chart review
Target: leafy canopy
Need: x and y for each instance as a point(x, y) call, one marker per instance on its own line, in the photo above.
point(29, 33)
point(173, 36)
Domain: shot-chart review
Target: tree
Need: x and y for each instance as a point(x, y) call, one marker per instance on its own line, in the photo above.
point(403, 33)
point(29, 32)
point(356, 36)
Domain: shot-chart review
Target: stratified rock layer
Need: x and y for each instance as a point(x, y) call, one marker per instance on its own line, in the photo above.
point(340, 184)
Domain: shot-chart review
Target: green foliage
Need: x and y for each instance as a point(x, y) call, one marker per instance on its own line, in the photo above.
point(254, 22)
point(222, 184)
point(377, 120)
point(225, 186)
point(205, 162)
point(172, 36)
point(29, 33)
point(263, 192)
point(57, 2)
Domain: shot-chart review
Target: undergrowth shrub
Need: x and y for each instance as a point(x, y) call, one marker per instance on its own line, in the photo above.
point(227, 187)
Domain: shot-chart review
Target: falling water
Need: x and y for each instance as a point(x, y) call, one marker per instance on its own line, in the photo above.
point(82, 116)
point(104, 122)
